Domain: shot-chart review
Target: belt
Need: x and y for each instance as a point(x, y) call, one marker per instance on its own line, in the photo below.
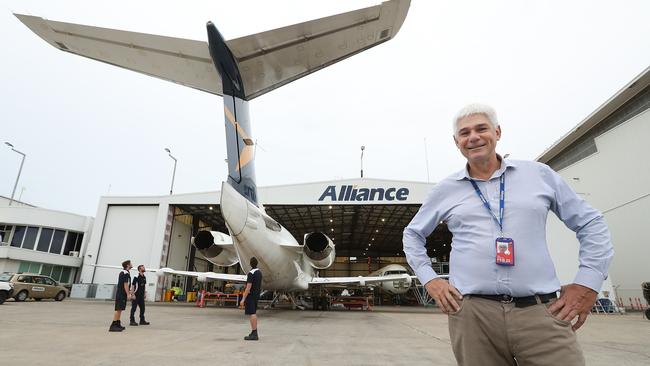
point(520, 302)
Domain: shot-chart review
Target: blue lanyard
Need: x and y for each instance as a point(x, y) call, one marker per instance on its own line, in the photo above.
point(502, 190)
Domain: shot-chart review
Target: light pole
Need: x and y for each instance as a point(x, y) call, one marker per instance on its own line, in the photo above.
point(174, 173)
point(19, 171)
point(362, 148)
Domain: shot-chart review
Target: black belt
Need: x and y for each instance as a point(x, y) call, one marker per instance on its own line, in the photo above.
point(520, 302)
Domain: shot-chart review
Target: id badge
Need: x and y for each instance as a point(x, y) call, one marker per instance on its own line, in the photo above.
point(505, 251)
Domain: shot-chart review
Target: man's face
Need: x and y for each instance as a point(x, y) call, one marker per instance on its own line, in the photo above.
point(476, 138)
point(129, 266)
point(141, 269)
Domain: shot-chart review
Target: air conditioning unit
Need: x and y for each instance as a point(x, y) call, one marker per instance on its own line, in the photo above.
point(73, 254)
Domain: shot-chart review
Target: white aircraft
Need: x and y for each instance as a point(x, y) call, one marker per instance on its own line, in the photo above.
point(393, 287)
point(239, 70)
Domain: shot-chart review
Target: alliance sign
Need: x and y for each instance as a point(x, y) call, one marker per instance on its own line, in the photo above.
point(349, 193)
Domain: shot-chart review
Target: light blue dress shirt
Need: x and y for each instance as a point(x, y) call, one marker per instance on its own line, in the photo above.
point(531, 190)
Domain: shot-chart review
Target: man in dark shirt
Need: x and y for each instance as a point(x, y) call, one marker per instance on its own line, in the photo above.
point(138, 288)
point(122, 295)
point(251, 297)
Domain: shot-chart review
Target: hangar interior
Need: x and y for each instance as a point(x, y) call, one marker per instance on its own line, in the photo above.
point(367, 237)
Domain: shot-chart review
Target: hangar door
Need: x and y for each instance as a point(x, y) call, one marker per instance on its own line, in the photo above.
point(128, 234)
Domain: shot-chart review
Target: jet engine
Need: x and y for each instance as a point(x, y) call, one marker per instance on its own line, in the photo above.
point(216, 247)
point(319, 250)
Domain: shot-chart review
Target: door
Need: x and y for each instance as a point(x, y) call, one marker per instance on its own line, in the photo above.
point(38, 288)
point(50, 288)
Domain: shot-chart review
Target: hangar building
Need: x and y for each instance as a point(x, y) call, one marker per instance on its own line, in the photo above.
point(604, 159)
point(364, 217)
point(39, 240)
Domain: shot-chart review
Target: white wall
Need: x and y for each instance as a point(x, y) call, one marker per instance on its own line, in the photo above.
point(9, 265)
point(128, 233)
point(615, 180)
point(42, 217)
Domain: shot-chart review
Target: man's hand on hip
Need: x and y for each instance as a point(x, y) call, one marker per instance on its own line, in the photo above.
point(575, 300)
point(444, 294)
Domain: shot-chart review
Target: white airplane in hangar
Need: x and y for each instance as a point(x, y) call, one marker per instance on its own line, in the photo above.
point(239, 70)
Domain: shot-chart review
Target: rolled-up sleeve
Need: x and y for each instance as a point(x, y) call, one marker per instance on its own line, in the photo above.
point(596, 250)
point(416, 233)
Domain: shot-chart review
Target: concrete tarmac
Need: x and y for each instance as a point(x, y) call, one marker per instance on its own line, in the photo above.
point(75, 332)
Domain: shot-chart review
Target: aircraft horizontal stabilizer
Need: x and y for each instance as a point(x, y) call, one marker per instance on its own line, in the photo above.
point(265, 60)
point(181, 61)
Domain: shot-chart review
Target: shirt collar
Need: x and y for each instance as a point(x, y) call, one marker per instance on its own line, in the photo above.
point(254, 270)
point(505, 164)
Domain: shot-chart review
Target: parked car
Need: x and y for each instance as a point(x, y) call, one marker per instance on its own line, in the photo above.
point(37, 287)
point(6, 290)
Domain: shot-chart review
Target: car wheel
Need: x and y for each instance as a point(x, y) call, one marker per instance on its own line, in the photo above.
point(21, 296)
point(60, 296)
point(3, 297)
point(38, 299)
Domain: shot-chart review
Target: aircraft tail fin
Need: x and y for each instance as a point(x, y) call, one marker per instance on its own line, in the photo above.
point(239, 141)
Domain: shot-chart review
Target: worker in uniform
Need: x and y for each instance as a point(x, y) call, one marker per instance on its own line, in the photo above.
point(138, 289)
point(251, 297)
point(122, 295)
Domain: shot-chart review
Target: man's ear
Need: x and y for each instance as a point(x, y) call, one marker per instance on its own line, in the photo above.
point(498, 130)
point(456, 141)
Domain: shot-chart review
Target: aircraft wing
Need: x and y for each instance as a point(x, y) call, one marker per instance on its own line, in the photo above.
point(266, 60)
point(360, 280)
point(201, 276)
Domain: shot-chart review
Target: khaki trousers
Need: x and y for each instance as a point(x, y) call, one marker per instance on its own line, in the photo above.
point(487, 332)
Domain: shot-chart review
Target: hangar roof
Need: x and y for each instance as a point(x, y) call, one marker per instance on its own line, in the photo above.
point(628, 92)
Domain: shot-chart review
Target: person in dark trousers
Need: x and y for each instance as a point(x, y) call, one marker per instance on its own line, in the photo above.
point(251, 297)
point(122, 295)
point(138, 289)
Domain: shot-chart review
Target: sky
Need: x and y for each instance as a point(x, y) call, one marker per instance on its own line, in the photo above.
point(91, 129)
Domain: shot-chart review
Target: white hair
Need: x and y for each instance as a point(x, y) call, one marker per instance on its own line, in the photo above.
point(476, 108)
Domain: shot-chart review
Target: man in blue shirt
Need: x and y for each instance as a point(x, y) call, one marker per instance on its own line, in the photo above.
point(501, 294)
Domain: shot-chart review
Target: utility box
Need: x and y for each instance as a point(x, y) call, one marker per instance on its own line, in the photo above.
point(83, 290)
point(105, 292)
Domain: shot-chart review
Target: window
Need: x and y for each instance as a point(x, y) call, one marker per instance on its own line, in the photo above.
point(19, 234)
point(44, 240)
point(70, 243)
point(30, 237)
point(5, 233)
point(80, 239)
point(30, 267)
point(65, 275)
point(49, 281)
point(24, 267)
point(39, 280)
point(25, 279)
point(57, 241)
point(46, 269)
point(56, 273)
